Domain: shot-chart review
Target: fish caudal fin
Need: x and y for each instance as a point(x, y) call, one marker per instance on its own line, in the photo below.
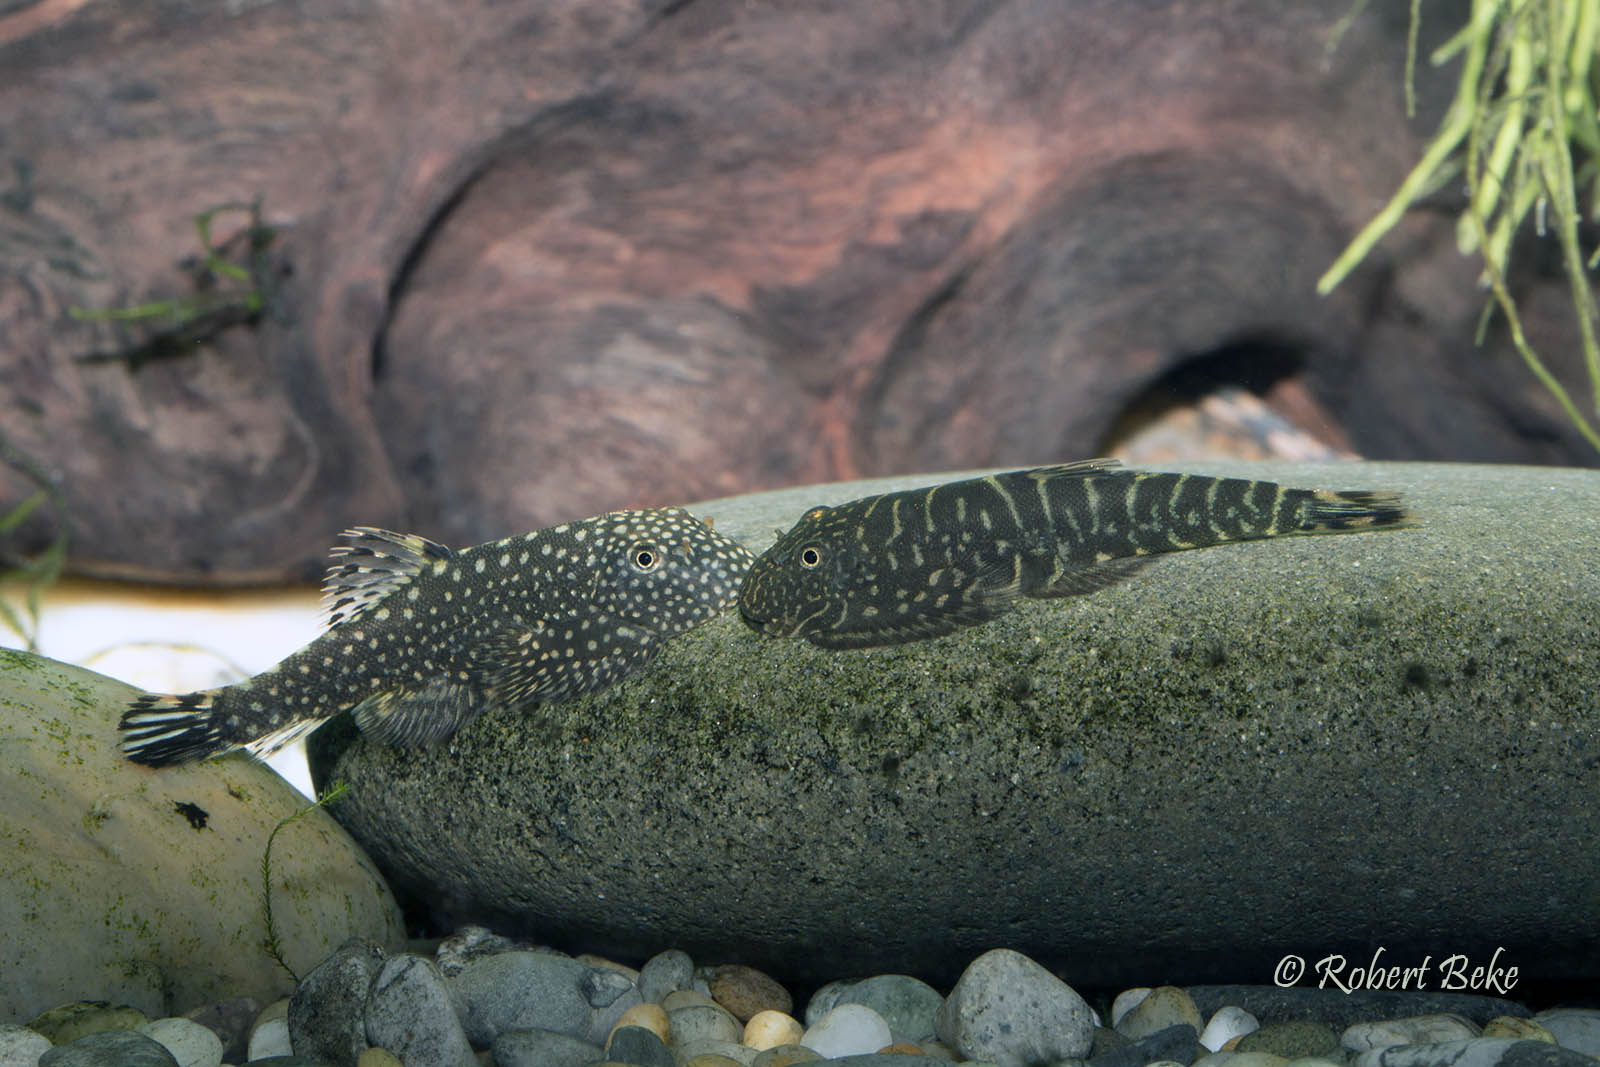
point(1333, 512)
point(159, 731)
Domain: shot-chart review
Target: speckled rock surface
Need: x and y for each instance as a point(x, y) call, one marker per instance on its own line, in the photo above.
point(1404, 722)
point(143, 887)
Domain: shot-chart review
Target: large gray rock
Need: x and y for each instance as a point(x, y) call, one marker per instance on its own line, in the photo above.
point(143, 887)
point(1302, 746)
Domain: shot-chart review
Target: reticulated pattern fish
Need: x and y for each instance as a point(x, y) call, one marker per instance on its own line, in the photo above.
point(422, 639)
point(921, 563)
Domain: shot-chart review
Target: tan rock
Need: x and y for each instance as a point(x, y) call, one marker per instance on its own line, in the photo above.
point(143, 887)
point(746, 991)
point(770, 1029)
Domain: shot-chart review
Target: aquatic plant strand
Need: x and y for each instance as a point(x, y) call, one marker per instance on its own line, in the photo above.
point(1525, 97)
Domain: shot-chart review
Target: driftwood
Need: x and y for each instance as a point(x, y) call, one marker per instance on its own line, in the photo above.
point(532, 261)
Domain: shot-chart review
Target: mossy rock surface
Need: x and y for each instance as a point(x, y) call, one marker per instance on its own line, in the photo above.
point(1298, 746)
point(144, 887)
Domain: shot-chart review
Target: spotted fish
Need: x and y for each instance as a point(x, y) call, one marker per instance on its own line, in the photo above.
point(422, 639)
point(910, 565)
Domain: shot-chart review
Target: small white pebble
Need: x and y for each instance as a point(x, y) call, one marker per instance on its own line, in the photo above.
point(271, 1038)
point(1126, 1001)
point(191, 1044)
point(1415, 1030)
point(1227, 1023)
point(848, 1030)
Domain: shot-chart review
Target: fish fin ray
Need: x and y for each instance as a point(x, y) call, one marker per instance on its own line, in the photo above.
point(422, 716)
point(1329, 511)
point(527, 663)
point(1081, 581)
point(1082, 468)
point(970, 599)
point(372, 564)
point(159, 730)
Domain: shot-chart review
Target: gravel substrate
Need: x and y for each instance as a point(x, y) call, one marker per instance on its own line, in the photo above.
point(478, 998)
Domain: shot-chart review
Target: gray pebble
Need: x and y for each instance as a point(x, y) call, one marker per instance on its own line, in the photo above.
point(1105, 1040)
point(826, 999)
point(1291, 1040)
point(326, 1010)
point(664, 973)
point(1009, 1010)
point(698, 1023)
point(470, 943)
point(636, 1045)
point(1178, 1043)
point(907, 1004)
point(230, 1020)
point(1476, 1052)
point(880, 1059)
point(542, 1048)
point(1575, 1028)
point(785, 1054)
point(287, 1061)
point(1339, 1009)
point(21, 1047)
point(109, 1048)
point(411, 1013)
point(524, 991)
point(610, 993)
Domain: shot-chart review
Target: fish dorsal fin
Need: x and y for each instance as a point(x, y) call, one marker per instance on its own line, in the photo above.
point(371, 565)
point(1080, 469)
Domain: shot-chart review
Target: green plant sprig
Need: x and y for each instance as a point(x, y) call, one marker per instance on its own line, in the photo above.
point(1525, 97)
point(274, 943)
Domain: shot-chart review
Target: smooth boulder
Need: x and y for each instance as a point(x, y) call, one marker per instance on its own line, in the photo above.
point(1291, 748)
point(144, 887)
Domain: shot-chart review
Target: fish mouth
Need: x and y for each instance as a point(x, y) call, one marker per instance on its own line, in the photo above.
point(768, 627)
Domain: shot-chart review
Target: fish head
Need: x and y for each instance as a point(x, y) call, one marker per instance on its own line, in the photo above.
point(666, 570)
point(797, 587)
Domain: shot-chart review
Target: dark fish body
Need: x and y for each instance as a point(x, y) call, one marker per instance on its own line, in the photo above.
point(422, 639)
point(920, 563)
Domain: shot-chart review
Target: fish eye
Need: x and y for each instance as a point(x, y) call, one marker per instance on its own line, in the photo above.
point(645, 557)
point(810, 557)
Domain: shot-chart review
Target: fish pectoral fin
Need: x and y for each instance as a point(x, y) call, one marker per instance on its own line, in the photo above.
point(1094, 577)
point(372, 564)
point(551, 661)
point(960, 599)
point(422, 716)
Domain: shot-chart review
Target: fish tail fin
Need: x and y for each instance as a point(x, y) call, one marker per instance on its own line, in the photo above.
point(160, 730)
point(1327, 511)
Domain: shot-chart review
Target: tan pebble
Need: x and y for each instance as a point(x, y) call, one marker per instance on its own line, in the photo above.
point(1126, 1001)
point(785, 1056)
point(1511, 1026)
point(1165, 1006)
point(769, 1029)
point(746, 991)
point(685, 998)
point(711, 1059)
point(653, 1017)
point(278, 1009)
point(604, 964)
point(378, 1057)
point(900, 1048)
